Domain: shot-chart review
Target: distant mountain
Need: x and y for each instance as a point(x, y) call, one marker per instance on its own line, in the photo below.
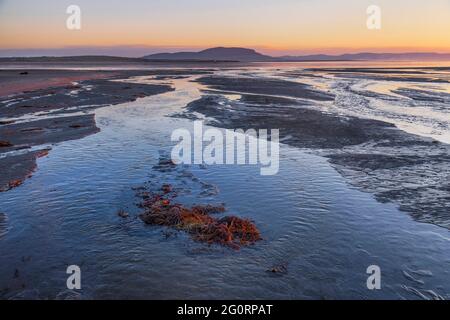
point(371, 56)
point(231, 54)
point(214, 54)
point(250, 55)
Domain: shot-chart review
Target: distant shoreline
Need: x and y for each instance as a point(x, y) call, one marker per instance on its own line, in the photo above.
point(231, 55)
point(105, 63)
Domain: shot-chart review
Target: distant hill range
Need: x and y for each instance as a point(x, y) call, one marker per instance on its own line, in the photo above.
point(214, 54)
point(222, 54)
point(250, 55)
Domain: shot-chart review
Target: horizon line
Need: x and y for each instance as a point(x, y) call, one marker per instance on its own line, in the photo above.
point(138, 51)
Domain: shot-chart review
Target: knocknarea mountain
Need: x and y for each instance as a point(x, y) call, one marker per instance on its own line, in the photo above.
point(251, 55)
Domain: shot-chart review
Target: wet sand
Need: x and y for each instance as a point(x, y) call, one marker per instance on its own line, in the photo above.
point(36, 108)
point(374, 155)
point(88, 94)
point(405, 74)
point(15, 169)
point(19, 81)
point(265, 86)
point(27, 134)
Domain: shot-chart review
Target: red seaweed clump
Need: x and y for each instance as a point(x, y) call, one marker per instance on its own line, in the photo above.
point(42, 153)
point(15, 183)
point(5, 144)
point(198, 221)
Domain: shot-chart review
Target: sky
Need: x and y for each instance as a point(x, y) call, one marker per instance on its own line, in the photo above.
point(277, 27)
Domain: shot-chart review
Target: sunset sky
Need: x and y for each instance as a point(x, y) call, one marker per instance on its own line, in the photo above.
point(133, 27)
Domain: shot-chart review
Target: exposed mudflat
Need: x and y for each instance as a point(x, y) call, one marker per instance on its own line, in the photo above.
point(420, 75)
point(376, 156)
point(300, 127)
point(37, 107)
point(51, 130)
point(265, 86)
point(69, 98)
point(16, 81)
point(16, 168)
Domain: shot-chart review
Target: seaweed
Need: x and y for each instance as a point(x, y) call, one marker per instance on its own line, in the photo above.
point(5, 144)
point(230, 231)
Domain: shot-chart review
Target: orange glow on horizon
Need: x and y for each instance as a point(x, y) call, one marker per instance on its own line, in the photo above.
point(271, 27)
